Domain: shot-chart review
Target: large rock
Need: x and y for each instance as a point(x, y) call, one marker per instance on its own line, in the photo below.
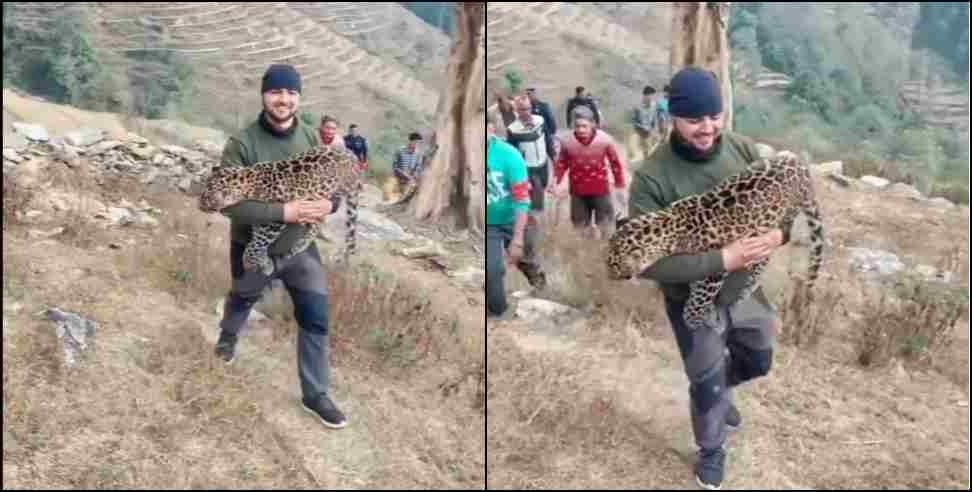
point(371, 226)
point(84, 137)
point(36, 133)
point(875, 181)
point(874, 262)
point(76, 333)
point(12, 156)
point(904, 190)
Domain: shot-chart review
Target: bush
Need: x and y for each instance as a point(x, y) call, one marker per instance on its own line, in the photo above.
point(914, 321)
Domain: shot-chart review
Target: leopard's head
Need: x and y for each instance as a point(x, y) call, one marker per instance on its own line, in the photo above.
point(220, 191)
point(638, 244)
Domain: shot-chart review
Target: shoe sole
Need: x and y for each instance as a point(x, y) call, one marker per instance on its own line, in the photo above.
point(706, 486)
point(326, 423)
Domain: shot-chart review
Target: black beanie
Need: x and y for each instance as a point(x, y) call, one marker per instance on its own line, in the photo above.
point(695, 93)
point(281, 77)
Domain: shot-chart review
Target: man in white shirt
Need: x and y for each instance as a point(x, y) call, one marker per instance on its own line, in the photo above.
point(528, 135)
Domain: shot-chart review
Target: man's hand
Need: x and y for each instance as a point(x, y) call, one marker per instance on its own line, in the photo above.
point(746, 252)
point(306, 211)
point(515, 252)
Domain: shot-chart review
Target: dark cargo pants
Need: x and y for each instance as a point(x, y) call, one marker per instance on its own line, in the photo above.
point(303, 277)
point(717, 363)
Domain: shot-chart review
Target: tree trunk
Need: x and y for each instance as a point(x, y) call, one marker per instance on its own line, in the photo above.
point(453, 180)
point(699, 38)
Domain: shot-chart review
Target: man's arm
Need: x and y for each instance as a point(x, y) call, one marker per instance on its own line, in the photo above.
point(617, 168)
point(646, 197)
point(364, 152)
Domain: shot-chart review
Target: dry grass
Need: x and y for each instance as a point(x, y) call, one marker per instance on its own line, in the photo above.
point(576, 273)
point(915, 320)
point(150, 408)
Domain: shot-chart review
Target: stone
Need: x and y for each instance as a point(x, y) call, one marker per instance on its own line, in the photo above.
point(841, 180)
point(833, 167)
point(36, 133)
point(84, 137)
point(429, 250)
point(174, 150)
point(75, 332)
point(939, 202)
point(185, 184)
point(371, 226)
point(144, 219)
point(12, 156)
point(144, 153)
point(136, 139)
point(877, 262)
point(116, 216)
point(541, 310)
point(875, 181)
point(905, 190)
point(102, 147)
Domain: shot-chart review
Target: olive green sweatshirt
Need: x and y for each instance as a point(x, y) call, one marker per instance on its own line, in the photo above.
point(258, 143)
point(672, 173)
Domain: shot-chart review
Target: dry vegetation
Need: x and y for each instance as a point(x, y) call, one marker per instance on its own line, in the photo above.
point(149, 407)
point(603, 402)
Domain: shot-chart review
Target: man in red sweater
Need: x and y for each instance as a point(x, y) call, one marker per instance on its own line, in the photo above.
point(585, 153)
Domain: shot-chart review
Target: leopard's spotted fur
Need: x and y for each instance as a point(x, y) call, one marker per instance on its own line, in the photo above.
point(768, 195)
point(318, 173)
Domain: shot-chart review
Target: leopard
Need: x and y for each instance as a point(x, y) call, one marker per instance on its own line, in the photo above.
point(315, 174)
point(769, 194)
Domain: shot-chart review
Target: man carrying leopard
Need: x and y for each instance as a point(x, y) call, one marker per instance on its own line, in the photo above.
point(739, 347)
point(276, 135)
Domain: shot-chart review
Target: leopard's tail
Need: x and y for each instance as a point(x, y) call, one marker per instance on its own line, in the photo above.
point(812, 210)
point(351, 245)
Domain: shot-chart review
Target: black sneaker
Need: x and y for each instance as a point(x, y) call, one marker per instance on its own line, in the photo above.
point(226, 347)
point(709, 468)
point(733, 419)
point(325, 411)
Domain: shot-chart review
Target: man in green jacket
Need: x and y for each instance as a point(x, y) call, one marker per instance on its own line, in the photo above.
point(507, 208)
point(277, 134)
point(739, 346)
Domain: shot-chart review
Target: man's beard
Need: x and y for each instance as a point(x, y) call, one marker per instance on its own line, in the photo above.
point(278, 121)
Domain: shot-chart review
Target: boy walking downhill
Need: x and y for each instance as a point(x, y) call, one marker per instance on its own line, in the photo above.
point(586, 154)
point(507, 206)
point(738, 347)
point(277, 134)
